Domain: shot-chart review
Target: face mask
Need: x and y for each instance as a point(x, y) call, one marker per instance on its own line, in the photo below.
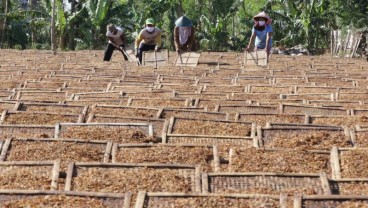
point(261, 23)
point(150, 29)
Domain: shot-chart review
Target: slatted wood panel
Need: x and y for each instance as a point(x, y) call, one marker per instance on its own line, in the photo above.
point(155, 59)
point(189, 59)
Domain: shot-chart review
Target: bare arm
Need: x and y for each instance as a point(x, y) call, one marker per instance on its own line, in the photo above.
point(251, 42)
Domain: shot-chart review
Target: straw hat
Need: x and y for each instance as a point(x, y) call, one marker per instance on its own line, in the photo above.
point(264, 15)
point(183, 21)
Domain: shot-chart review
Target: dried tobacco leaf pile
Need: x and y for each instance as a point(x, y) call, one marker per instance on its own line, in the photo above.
point(349, 121)
point(353, 188)
point(337, 204)
point(213, 202)
point(146, 113)
point(55, 201)
point(167, 154)
point(23, 178)
point(308, 140)
point(36, 108)
point(115, 134)
point(198, 127)
point(133, 180)
point(362, 139)
point(263, 119)
point(285, 161)
point(38, 119)
point(353, 163)
point(65, 151)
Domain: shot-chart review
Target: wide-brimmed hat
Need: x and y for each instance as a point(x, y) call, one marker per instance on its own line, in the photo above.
point(183, 21)
point(150, 21)
point(263, 15)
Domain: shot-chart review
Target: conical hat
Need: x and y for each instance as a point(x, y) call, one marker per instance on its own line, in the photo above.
point(264, 15)
point(183, 21)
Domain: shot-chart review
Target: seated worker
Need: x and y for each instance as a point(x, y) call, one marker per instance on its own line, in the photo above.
point(262, 33)
point(183, 34)
point(116, 41)
point(148, 39)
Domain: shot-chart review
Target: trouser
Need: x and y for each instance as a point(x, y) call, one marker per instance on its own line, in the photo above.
point(110, 49)
point(144, 47)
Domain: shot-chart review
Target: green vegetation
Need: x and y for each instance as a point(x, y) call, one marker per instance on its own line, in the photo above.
point(220, 25)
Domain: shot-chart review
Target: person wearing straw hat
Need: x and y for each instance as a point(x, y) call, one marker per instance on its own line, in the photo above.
point(261, 33)
point(183, 34)
point(116, 41)
point(148, 39)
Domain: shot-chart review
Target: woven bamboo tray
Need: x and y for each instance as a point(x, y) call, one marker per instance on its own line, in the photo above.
point(223, 88)
point(117, 132)
point(143, 112)
point(60, 198)
point(38, 118)
point(43, 84)
point(349, 186)
point(192, 113)
point(29, 175)
point(263, 118)
point(360, 136)
point(27, 131)
point(311, 110)
point(157, 103)
point(309, 96)
point(336, 201)
point(352, 96)
point(254, 96)
point(205, 155)
point(41, 96)
point(104, 177)
point(359, 112)
point(349, 163)
point(66, 150)
point(349, 121)
point(311, 89)
point(318, 138)
point(268, 89)
point(265, 183)
point(181, 200)
point(49, 107)
point(246, 109)
point(278, 160)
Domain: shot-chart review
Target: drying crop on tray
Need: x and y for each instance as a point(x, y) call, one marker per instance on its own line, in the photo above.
point(23, 178)
point(199, 127)
point(286, 161)
point(55, 201)
point(362, 138)
point(308, 140)
point(216, 201)
point(38, 119)
point(353, 188)
point(263, 119)
point(131, 180)
point(353, 163)
point(122, 135)
point(132, 112)
point(173, 155)
point(349, 121)
point(65, 151)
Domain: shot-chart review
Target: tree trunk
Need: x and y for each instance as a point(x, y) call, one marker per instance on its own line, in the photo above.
point(3, 22)
point(71, 33)
point(53, 38)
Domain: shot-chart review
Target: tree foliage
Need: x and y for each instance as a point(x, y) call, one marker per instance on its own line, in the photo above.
point(220, 25)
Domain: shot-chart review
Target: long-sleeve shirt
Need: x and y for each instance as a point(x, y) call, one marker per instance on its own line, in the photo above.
point(153, 38)
point(188, 44)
